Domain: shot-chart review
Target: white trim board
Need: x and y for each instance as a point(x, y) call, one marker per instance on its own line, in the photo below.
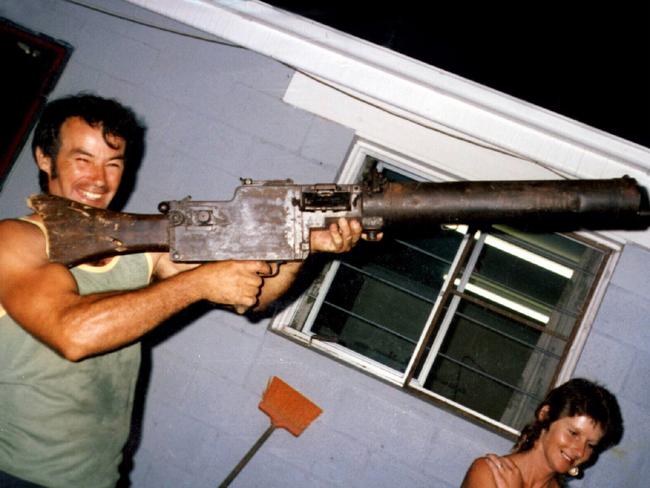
point(459, 158)
point(417, 91)
point(387, 76)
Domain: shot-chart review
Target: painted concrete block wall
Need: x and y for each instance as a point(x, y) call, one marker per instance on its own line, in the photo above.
point(214, 113)
point(618, 354)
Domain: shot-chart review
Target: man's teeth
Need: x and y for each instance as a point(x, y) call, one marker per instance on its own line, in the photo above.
point(91, 196)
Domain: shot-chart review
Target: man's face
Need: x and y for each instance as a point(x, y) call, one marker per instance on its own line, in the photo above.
point(88, 170)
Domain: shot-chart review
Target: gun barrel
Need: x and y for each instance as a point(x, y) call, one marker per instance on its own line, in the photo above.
point(570, 202)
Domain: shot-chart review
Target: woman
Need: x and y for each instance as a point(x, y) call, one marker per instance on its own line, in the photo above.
point(575, 422)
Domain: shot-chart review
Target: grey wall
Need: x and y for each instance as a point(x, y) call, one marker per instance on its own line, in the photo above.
point(214, 114)
point(618, 354)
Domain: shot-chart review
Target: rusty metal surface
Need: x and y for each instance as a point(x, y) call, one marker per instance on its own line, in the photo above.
point(78, 233)
point(259, 221)
point(568, 201)
point(271, 220)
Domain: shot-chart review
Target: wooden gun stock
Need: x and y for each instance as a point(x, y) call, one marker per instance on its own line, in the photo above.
point(77, 233)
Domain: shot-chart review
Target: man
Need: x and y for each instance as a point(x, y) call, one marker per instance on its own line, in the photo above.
point(69, 354)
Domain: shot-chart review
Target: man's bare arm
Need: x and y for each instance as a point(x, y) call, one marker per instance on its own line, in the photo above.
point(44, 298)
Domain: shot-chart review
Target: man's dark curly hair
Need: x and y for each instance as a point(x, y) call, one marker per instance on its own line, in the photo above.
point(114, 119)
point(573, 398)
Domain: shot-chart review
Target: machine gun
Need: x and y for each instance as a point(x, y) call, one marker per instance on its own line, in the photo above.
point(271, 220)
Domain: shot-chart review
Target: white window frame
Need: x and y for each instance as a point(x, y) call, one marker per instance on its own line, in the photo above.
point(361, 150)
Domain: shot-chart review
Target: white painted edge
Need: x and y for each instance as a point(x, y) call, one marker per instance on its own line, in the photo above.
point(415, 89)
point(385, 75)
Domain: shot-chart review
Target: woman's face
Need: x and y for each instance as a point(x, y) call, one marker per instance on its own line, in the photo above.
point(570, 441)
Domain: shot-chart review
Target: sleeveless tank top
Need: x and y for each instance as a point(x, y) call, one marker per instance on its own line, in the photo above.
point(64, 424)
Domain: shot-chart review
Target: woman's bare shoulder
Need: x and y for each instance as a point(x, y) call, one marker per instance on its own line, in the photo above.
point(478, 475)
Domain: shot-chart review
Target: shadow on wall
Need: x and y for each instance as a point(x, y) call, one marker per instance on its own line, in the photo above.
point(160, 334)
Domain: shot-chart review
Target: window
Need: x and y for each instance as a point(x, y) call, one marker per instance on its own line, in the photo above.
point(35, 62)
point(482, 321)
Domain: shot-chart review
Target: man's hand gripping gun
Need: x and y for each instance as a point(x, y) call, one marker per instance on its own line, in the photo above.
point(272, 220)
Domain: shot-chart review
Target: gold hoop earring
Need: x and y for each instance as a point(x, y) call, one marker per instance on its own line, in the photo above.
point(575, 471)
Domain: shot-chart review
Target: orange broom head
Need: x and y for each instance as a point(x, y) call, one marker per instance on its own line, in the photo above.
point(288, 408)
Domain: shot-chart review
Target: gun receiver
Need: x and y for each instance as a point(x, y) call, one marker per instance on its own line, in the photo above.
point(271, 220)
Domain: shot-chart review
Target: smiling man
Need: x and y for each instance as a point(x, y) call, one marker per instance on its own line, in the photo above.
point(88, 167)
point(69, 351)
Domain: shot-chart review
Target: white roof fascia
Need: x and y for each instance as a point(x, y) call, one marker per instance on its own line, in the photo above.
point(411, 87)
point(382, 74)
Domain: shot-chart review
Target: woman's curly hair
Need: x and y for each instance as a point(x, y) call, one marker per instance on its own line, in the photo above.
point(576, 397)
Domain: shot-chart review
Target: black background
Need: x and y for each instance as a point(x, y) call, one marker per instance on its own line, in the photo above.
point(588, 62)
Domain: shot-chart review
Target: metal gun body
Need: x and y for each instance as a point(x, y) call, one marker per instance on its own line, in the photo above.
point(266, 221)
point(272, 220)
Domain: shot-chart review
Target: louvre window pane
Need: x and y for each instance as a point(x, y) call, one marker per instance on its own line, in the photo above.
point(383, 294)
point(482, 358)
point(499, 272)
point(510, 323)
point(539, 280)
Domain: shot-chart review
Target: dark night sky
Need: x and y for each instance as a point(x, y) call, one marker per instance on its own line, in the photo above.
point(591, 64)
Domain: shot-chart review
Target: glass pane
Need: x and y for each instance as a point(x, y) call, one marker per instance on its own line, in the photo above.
point(383, 294)
point(512, 323)
point(535, 283)
point(482, 358)
point(526, 404)
point(497, 271)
